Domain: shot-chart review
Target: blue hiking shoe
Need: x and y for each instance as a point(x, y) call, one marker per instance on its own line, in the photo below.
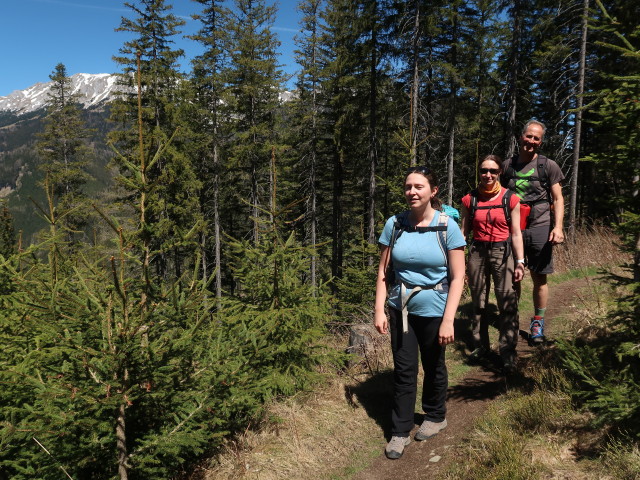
point(537, 330)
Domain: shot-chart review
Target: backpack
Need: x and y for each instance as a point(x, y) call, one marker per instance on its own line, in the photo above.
point(401, 225)
point(451, 212)
point(506, 201)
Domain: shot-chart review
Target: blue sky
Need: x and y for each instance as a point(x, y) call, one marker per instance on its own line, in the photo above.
point(36, 35)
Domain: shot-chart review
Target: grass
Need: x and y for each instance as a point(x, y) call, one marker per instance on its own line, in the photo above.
point(538, 434)
point(337, 430)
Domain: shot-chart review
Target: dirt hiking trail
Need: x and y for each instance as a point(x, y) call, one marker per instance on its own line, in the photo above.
point(467, 401)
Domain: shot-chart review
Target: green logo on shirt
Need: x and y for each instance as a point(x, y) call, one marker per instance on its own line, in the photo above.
point(523, 181)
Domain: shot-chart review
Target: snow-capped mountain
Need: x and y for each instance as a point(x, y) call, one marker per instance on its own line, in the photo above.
point(91, 89)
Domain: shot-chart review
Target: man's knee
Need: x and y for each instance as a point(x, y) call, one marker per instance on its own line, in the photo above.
point(539, 279)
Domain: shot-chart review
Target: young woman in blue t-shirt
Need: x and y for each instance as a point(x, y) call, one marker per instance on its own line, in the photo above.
point(429, 283)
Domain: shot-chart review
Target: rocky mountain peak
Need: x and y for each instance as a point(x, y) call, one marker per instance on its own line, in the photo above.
point(91, 89)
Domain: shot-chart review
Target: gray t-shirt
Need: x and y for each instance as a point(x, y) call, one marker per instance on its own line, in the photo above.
point(532, 191)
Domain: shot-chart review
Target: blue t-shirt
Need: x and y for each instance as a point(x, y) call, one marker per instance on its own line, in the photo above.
point(418, 260)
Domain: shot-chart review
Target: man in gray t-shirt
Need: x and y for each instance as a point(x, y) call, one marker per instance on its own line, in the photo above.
point(544, 228)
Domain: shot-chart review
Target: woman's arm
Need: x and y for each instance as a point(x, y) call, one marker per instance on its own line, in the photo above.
point(516, 243)
point(456, 284)
point(380, 317)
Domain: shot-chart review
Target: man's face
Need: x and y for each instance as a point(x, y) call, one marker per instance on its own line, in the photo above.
point(531, 139)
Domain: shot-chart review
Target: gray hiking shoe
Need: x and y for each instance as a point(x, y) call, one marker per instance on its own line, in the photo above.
point(429, 429)
point(395, 447)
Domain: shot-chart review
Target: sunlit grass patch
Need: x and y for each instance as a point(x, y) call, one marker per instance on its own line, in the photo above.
point(622, 460)
point(524, 437)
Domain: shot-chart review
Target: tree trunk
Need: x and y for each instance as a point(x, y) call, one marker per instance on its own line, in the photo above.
point(336, 255)
point(578, 127)
point(121, 442)
point(452, 108)
point(373, 138)
point(516, 39)
point(414, 107)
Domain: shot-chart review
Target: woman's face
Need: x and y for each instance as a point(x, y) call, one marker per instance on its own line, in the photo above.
point(489, 173)
point(418, 191)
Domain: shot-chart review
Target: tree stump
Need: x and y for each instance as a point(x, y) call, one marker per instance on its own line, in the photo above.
point(361, 339)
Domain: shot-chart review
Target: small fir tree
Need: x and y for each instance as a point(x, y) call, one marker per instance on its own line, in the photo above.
point(63, 150)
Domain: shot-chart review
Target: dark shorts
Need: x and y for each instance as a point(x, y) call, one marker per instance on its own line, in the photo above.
point(538, 251)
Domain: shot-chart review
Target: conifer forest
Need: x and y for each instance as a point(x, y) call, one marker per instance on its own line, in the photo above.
point(151, 320)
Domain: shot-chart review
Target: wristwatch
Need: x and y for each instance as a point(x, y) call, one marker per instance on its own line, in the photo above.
point(520, 260)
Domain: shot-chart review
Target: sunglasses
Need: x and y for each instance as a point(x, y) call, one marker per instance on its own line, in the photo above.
point(492, 171)
point(419, 169)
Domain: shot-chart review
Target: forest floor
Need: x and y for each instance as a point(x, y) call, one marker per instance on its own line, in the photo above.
point(340, 431)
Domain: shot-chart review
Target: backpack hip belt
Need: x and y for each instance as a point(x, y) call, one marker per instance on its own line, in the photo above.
point(487, 246)
point(408, 291)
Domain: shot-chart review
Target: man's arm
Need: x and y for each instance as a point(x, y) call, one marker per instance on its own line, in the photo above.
point(557, 235)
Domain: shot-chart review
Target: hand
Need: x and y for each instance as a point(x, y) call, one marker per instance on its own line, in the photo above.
point(445, 335)
point(518, 273)
point(381, 323)
point(556, 236)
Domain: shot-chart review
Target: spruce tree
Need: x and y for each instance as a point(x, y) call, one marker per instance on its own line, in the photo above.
point(112, 373)
point(7, 232)
point(209, 117)
point(254, 82)
point(342, 93)
point(63, 150)
point(173, 204)
point(307, 111)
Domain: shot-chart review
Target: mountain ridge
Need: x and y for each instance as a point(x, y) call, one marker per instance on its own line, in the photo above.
point(91, 90)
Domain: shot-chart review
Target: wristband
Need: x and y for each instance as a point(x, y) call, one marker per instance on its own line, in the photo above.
point(520, 260)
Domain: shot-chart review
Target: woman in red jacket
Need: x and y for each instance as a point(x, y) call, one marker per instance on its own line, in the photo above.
point(496, 237)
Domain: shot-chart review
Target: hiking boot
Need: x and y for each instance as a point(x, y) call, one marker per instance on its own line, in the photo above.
point(537, 330)
point(429, 429)
point(478, 354)
point(509, 367)
point(395, 447)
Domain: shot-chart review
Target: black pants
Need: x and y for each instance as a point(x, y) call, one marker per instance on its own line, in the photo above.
point(422, 337)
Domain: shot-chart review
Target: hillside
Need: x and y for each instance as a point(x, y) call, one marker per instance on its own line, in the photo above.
point(21, 119)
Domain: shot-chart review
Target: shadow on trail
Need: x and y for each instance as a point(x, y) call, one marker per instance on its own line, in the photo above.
point(462, 325)
point(376, 396)
point(472, 389)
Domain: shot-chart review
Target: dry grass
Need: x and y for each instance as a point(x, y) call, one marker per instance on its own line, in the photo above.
point(594, 246)
point(318, 435)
